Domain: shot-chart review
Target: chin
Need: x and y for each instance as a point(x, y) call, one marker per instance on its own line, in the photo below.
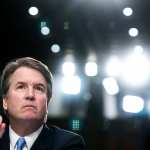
point(29, 117)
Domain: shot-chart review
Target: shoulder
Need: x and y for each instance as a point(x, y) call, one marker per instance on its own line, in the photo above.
point(62, 132)
point(64, 138)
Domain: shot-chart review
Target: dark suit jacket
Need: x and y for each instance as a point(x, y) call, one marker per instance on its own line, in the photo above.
point(52, 138)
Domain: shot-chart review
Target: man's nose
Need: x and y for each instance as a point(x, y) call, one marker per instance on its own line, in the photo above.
point(30, 95)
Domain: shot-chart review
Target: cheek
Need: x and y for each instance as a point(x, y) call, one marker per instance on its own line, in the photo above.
point(15, 96)
point(42, 102)
point(13, 100)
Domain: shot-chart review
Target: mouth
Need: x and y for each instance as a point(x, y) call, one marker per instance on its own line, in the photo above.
point(29, 107)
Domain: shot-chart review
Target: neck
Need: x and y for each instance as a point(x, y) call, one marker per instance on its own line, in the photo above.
point(23, 128)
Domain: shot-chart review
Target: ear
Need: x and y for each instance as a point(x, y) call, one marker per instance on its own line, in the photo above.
point(5, 103)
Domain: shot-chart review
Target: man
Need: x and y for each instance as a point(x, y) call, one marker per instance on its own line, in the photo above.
point(26, 85)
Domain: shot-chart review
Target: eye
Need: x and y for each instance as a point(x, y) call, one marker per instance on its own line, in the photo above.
point(20, 86)
point(40, 88)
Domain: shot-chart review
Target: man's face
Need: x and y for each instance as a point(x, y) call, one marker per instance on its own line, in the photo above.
point(26, 98)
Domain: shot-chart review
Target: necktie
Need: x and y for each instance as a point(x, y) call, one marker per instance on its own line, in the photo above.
point(21, 143)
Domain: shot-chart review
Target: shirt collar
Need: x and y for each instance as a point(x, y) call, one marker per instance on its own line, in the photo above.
point(30, 139)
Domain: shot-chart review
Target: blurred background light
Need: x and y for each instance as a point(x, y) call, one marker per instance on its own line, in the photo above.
point(71, 85)
point(127, 11)
point(76, 124)
point(113, 66)
point(68, 68)
point(132, 104)
point(33, 11)
point(111, 86)
point(138, 49)
point(91, 69)
point(45, 30)
point(110, 106)
point(55, 48)
point(133, 32)
point(136, 69)
point(66, 25)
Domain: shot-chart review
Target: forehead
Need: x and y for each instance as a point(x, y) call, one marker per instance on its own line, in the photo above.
point(27, 74)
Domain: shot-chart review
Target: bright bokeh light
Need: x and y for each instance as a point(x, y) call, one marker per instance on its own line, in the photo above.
point(45, 30)
point(33, 11)
point(71, 85)
point(68, 68)
point(111, 86)
point(127, 11)
point(138, 49)
point(55, 48)
point(133, 32)
point(136, 70)
point(91, 69)
point(133, 104)
point(110, 110)
point(113, 67)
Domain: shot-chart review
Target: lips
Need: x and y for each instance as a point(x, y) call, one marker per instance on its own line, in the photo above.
point(29, 106)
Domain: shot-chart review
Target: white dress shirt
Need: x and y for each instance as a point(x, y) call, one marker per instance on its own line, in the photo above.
point(30, 139)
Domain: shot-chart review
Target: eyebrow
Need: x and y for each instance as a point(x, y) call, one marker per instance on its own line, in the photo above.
point(39, 84)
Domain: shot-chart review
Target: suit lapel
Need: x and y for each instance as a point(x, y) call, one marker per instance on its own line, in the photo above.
point(44, 140)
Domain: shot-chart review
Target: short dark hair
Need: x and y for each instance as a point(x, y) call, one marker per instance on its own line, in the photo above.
point(13, 65)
